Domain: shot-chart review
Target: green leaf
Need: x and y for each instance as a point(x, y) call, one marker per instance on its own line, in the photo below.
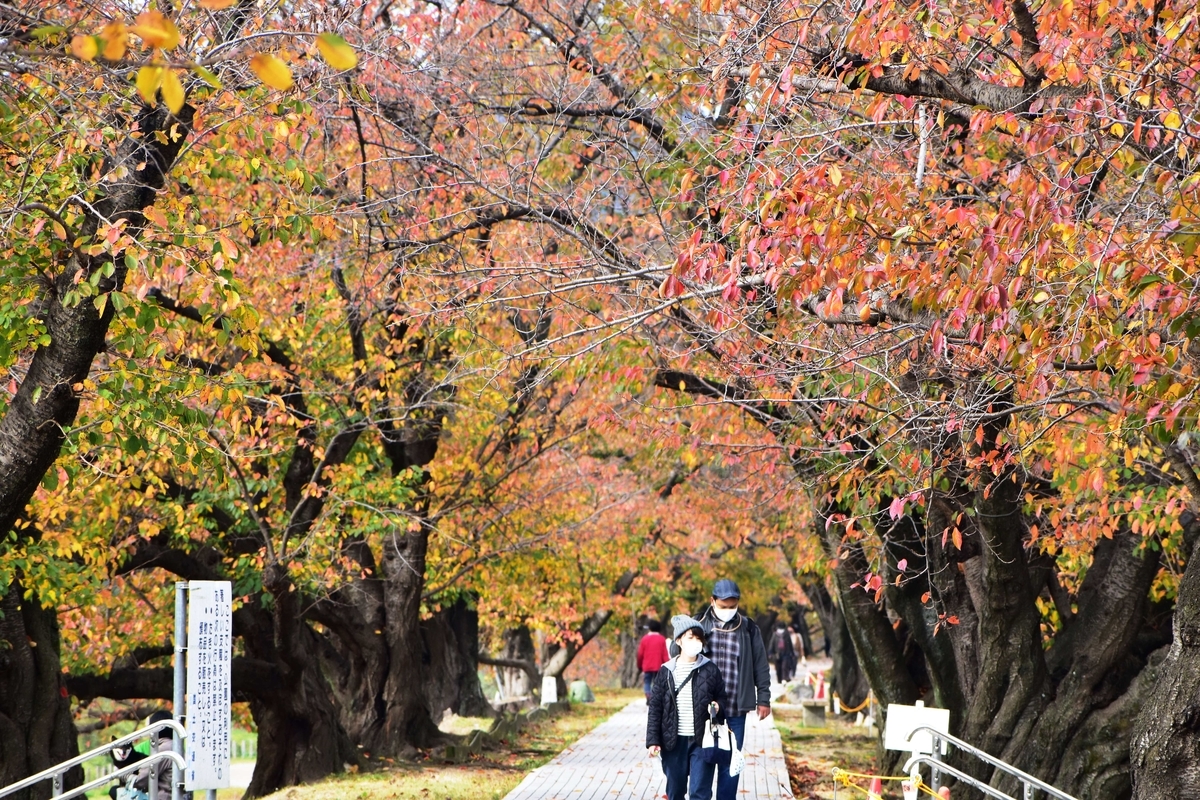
point(47, 31)
point(207, 76)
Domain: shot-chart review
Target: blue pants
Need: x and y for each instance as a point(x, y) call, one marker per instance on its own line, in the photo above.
point(687, 771)
point(648, 682)
point(727, 786)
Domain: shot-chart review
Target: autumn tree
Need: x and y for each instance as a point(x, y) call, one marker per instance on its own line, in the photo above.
point(90, 155)
point(943, 256)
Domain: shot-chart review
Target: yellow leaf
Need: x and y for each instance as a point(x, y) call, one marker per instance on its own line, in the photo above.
point(216, 5)
point(116, 38)
point(1173, 120)
point(156, 30)
point(1041, 297)
point(172, 91)
point(148, 81)
point(835, 175)
point(84, 47)
point(1117, 129)
point(271, 71)
point(336, 52)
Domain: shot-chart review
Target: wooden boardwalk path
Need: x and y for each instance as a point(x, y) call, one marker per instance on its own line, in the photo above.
point(610, 763)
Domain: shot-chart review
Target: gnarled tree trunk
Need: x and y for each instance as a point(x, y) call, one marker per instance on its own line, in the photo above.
point(36, 730)
point(1166, 737)
point(451, 639)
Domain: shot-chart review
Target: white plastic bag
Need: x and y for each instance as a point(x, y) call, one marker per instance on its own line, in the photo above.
point(707, 742)
point(737, 761)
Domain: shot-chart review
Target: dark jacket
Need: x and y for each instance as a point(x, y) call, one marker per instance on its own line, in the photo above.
point(662, 726)
point(754, 675)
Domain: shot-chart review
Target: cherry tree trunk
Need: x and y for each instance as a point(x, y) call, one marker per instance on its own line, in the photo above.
point(408, 718)
point(1166, 738)
point(451, 642)
point(847, 679)
point(300, 736)
point(36, 729)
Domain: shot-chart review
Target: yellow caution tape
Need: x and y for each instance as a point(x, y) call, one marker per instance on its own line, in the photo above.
point(857, 708)
point(843, 777)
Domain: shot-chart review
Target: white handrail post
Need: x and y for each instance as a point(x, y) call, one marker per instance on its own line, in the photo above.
point(58, 784)
point(935, 777)
point(180, 681)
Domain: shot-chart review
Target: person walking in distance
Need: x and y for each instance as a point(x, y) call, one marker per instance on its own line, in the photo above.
point(798, 645)
point(783, 653)
point(735, 644)
point(687, 691)
point(651, 654)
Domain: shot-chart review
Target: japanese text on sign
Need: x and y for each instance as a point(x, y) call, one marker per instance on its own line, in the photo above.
point(209, 657)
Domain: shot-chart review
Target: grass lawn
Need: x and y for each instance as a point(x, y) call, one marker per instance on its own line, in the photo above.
point(812, 753)
point(490, 776)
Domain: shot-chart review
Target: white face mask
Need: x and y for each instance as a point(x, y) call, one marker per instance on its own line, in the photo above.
point(691, 647)
point(725, 614)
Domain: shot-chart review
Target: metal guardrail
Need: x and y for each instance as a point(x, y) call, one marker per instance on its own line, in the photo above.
point(56, 772)
point(1029, 784)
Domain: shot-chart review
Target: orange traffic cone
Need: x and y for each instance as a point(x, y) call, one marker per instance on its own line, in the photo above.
point(876, 790)
point(944, 793)
point(820, 693)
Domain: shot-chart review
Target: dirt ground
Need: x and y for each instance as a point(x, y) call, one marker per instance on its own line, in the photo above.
point(812, 754)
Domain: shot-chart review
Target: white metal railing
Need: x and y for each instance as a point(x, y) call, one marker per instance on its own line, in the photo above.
point(240, 750)
point(1029, 784)
point(56, 772)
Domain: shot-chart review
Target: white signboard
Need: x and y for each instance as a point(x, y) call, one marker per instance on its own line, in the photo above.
point(903, 720)
point(209, 657)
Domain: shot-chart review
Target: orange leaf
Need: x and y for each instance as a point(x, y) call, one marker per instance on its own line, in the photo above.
point(85, 47)
point(116, 38)
point(156, 30)
point(216, 5)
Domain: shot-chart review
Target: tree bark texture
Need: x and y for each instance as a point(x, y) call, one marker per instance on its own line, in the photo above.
point(1166, 736)
point(36, 729)
point(847, 679)
point(451, 638)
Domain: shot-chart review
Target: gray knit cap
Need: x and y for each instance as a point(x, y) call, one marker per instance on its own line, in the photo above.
point(682, 623)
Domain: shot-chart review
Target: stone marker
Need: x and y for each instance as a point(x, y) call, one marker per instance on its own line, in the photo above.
point(580, 692)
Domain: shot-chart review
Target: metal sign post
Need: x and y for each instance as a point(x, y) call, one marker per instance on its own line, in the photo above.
point(204, 631)
point(177, 694)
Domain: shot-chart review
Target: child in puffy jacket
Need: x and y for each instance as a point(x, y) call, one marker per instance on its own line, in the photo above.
point(680, 699)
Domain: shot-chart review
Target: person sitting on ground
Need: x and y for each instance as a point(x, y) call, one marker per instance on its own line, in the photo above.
point(687, 689)
point(651, 654)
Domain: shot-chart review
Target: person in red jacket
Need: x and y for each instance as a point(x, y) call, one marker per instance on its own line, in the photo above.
point(651, 655)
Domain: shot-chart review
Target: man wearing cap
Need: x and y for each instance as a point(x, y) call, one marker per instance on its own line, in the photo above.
point(736, 646)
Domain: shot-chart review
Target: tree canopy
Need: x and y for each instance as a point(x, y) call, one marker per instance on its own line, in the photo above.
point(536, 314)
